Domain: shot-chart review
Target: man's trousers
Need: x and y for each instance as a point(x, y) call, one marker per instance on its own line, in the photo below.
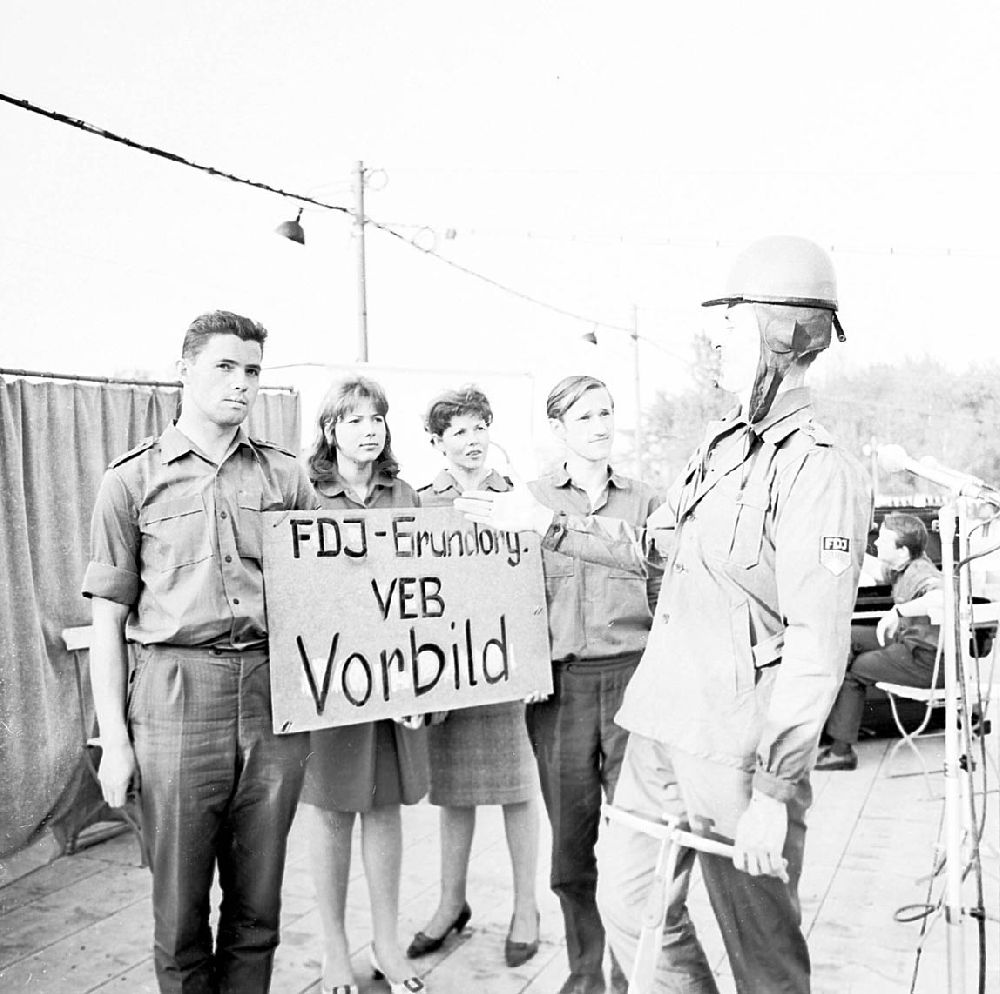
point(579, 750)
point(217, 792)
point(759, 917)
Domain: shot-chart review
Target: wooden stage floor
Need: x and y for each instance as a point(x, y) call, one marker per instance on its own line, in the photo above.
point(82, 923)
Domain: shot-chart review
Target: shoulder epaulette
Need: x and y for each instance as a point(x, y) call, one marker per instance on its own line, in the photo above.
point(146, 443)
point(807, 434)
point(272, 445)
point(819, 434)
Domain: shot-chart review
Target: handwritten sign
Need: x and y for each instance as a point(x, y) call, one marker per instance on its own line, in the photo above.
point(386, 613)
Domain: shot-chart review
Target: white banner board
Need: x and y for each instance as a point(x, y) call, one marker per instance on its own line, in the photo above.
point(387, 613)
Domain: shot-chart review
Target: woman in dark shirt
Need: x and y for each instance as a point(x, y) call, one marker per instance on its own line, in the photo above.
point(372, 768)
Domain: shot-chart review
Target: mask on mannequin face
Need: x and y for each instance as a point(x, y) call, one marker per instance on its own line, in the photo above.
point(736, 339)
point(760, 343)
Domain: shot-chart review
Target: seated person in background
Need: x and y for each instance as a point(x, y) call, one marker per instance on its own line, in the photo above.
point(901, 649)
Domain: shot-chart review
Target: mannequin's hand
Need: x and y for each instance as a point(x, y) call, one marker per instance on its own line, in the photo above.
point(760, 838)
point(514, 510)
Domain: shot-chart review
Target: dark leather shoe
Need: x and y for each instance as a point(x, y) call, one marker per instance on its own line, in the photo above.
point(424, 944)
point(516, 953)
point(583, 983)
point(830, 761)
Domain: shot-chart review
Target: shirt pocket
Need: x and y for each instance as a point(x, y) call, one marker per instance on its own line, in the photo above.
point(628, 591)
point(251, 502)
point(739, 532)
point(174, 533)
point(559, 572)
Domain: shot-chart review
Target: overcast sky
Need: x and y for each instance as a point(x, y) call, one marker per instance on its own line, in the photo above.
point(593, 156)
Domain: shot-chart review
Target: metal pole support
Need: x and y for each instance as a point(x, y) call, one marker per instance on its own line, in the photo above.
point(952, 786)
point(672, 838)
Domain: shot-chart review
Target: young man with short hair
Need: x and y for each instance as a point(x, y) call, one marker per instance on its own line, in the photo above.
point(902, 648)
point(176, 570)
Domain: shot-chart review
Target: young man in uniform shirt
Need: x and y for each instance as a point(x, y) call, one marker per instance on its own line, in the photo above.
point(599, 620)
point(766, 531)
point(902, 648)
point(176, 569)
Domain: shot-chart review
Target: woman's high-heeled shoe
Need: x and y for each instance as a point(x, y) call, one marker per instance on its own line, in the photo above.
point(516, 953)
point(409, 985)
point(424, 944)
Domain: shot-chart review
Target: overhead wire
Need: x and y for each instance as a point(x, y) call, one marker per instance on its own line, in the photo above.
point(492, 282)
point(108, 135)
point(596, 324)
point(161, 153)
point(104, 133)
point(656, 241)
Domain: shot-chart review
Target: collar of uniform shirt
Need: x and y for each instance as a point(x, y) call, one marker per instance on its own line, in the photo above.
point(174, 443)
point(561, 477)
point(336, 486)
point(790, 411)
point(781, 420)
point(445, 481)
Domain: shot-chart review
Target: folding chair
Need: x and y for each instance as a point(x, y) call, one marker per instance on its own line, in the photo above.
point(654, 914)
point(78, 643)
point(933, 696)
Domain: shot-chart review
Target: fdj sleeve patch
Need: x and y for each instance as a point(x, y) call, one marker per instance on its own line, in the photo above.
point(835, 553)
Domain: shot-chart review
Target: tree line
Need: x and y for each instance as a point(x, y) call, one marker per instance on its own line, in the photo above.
point(918, 403)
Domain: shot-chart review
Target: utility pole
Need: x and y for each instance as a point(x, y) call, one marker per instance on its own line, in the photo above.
point(640, 442)
point(359, 224)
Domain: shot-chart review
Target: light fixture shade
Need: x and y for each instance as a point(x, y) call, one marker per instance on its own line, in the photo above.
point(590, 337)
point(292, 230)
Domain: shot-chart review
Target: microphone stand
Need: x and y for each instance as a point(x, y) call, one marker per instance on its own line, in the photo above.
point(948, 516)
point(961, 834)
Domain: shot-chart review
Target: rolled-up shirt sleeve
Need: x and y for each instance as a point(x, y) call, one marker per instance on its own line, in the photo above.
point(113, 570)
point(820, 532)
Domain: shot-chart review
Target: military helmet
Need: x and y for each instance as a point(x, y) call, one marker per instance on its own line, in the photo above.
point(783, 269)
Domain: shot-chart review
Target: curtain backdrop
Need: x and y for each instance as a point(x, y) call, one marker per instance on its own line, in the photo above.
point(57, 437)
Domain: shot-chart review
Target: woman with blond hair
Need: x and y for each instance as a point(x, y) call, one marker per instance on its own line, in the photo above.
point(369, 769)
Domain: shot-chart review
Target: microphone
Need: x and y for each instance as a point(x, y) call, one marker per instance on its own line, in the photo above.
point(893, 459)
